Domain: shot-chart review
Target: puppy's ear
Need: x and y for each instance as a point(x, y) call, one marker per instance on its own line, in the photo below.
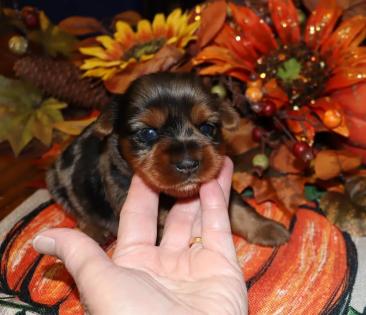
point(104, 125)
point(229, 116)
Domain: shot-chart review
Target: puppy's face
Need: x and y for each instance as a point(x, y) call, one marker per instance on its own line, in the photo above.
point(170, 132)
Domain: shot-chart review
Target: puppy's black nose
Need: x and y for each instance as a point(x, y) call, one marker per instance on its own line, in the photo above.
point(187, 166)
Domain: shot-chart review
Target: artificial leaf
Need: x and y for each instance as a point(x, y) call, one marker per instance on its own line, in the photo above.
point(81, 25)
point(74, 127)
point(131, 17)
point(212, 19)
point(287, 191)
point(289, 70)
point(239, 140)
point(284, 161)
point(53, 40)
point(24, 115)
point(331, 163)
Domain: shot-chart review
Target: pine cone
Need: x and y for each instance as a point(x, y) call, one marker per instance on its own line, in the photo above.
point(63, 80)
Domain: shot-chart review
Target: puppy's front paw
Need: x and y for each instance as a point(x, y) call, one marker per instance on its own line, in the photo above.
point(270, 233)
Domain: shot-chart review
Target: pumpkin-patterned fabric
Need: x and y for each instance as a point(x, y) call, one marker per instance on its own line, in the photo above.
point(313, 274)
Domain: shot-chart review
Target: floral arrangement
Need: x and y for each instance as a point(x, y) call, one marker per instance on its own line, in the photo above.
point(296, 76)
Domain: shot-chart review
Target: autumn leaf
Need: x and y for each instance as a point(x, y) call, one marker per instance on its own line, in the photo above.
point(212, 19)
point(24, 115)
point(131, 17)
point(284, 161)
point(74, 127)
point(240, 140)
point(53, 40)
point(81, 25)
point(286, 191)
point(331, 163)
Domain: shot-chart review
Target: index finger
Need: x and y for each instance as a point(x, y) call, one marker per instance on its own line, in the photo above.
point(216, 230)
point(138, 218)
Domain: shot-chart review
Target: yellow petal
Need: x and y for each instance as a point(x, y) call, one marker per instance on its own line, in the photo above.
point(107, 41)
point(173, 21)
point(95, 63)
point(103, 73)
point(171, 40)
point(147, 57)
point(159, 27)
point(124, 33)
point(98, 52)
point(144, 31)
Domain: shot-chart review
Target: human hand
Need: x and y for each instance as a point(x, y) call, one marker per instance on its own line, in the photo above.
point(172, 278)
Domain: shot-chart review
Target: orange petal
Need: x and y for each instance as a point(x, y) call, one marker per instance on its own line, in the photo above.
point(321, 22)
point(302, 123)
point(260, 35)
point(286, 20)
point(349, 34)
point(216, 54)
point(346, 77)
point(275, 93)
point(239, 45)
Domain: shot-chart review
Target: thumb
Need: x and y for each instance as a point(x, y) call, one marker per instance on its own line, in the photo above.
point(81, 255)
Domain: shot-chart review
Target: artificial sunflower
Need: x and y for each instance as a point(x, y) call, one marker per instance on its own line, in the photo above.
point(128, 54)
point(291, 70)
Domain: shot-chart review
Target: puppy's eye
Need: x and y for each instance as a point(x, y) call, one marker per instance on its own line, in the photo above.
point(208, 129)
point(148, 135)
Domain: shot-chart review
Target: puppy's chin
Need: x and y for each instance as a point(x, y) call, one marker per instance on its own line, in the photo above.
point(183, 191)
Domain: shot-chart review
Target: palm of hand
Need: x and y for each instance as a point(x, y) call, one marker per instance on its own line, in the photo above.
point(195, 280)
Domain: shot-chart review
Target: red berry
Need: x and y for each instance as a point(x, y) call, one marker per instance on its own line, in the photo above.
point(257, 134)
point(303, 151)
point(269, 109)
point(30, 17)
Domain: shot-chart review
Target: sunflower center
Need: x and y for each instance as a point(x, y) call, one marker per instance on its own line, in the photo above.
point(147, 48)
point(300, 72)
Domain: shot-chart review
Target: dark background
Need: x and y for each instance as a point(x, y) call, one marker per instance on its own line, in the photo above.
point(101, 9)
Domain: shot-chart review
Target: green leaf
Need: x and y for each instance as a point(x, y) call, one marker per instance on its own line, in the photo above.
point(289, 70)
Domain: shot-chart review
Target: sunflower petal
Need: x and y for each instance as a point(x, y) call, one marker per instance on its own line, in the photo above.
point(159, 26)
point(260, 35)
point(124, 34)
point(98, 52)
point(103, 73)
point(286, 20)
point(107, 41)
point(144, 31)
point(321, 23)
point(96, 63)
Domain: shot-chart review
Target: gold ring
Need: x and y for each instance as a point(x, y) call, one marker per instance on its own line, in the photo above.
point(195, 240)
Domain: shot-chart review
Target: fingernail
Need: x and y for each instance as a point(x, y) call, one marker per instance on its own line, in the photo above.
point(44, 244)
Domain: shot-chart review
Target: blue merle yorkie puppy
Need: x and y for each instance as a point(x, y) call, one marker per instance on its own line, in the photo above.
point(166, 128)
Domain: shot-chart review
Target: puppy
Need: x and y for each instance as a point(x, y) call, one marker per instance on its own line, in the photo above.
point(166, 128)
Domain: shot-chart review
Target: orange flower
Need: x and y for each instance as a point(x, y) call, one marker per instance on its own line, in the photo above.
point(125, 56)
point(296, 72)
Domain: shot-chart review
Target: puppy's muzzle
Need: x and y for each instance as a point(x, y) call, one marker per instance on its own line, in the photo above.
point(187, 166)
